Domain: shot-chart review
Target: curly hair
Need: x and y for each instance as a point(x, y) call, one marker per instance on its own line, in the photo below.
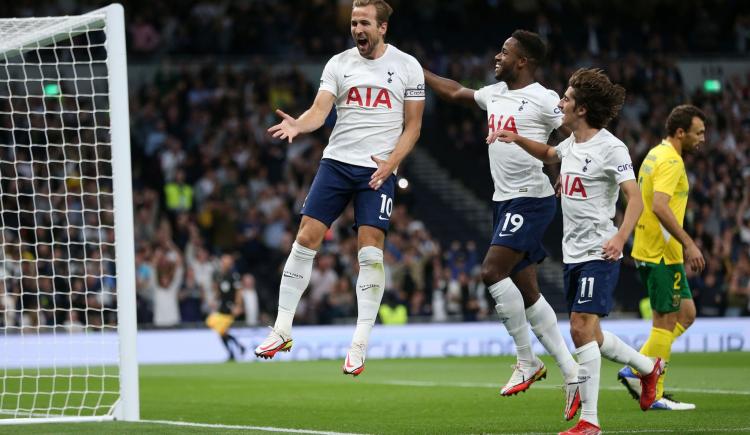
point(601, 98)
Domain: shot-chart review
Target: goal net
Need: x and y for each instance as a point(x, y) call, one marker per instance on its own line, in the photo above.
point(67, 295)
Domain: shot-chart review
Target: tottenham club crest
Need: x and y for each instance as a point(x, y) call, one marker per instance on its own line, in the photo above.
point(390, 76)
point(586, 166)
point(523, 103)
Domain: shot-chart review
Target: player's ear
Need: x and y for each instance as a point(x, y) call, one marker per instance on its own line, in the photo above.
point(581, 110)
point(383, 28)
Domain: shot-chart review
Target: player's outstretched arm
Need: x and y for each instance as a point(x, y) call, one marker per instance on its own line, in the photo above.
point(412, 126)
point(449, 90)
point(693, 256)
point(612, 249)
point(538, 150)
point(309, 121)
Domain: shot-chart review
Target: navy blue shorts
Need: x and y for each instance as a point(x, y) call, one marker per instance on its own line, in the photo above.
point(590, 286)
point(520, 223)
point(334, 186)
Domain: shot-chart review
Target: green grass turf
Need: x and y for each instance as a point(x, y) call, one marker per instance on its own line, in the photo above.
point(459, 395)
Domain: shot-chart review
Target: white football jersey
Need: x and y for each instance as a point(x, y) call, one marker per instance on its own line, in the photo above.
point(370, 96)
point(590, 174)
point(531, 112)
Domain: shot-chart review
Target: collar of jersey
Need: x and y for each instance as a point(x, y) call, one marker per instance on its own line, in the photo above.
point(375, 60)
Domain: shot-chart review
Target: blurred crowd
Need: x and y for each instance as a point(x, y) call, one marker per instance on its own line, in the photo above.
point(313, 28)
point(208, 180)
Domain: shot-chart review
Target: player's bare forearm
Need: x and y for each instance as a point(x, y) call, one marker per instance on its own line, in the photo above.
point(386, 167)
point(538, 150)
point(668, 220)
point(632, 211)
point(413, 111)
point(316, 115)
point(449, 90)
point(693, 256)
point(404, 146)
point(311, 120)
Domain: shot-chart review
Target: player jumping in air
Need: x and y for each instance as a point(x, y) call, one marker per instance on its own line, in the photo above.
point(524, 203)
point(379, 93)
point(595, 167)
point(659, 239)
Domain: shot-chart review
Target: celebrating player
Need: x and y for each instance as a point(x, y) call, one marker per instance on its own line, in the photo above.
point(664, 186)
point(594, 164)
point(524, 202)
point(379, 95)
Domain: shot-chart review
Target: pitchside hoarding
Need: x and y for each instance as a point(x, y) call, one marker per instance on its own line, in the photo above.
point(325, 342)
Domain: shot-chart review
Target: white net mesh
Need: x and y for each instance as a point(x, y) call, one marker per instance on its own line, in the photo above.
point(59, 346)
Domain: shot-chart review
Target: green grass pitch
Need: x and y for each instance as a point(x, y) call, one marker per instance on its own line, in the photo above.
point(417, 396)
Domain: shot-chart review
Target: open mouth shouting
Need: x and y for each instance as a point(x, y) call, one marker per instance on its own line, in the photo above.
point(363, 43)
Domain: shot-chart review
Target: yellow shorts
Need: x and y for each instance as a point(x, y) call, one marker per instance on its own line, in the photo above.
point(219, 322)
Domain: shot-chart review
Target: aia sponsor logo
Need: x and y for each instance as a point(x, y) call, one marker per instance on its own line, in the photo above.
point(501, 123)
point(367, 97)
point(572, 186)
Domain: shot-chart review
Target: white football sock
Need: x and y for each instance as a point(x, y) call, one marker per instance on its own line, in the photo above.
point(370, 286)
point(590, 362)
point(618, 351)
point(510, 309)
point(543, 322)
point(294, 281)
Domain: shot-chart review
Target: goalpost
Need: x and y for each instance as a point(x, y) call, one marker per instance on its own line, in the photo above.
point(67, 278)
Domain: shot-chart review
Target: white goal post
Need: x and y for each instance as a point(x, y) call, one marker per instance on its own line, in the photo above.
point(67, 266)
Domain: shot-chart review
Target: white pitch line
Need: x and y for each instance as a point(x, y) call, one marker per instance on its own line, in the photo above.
point(317, 432)
point(656, 431)
point(545, 387)
point(242, 427)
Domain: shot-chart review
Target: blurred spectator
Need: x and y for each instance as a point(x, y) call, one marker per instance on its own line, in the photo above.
point(249, 299)
point(191, 298)
point(738, 298)
point(340, 303)
point(323, 279)
point(178, 194)
point(392, 310)
point(169, 278)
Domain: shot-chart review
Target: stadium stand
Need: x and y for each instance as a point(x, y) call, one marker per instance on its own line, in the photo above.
point(209, 180)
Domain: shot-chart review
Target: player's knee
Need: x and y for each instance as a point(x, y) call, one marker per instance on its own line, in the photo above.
point(492, 274)
point(664, 320)
point(580, 331)
point(309, 238)
point(687, 317)
point(369, 256)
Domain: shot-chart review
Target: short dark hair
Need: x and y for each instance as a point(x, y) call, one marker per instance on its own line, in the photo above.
point(682, 117)
point(601, 98)
point(531, 44)
point(383, 10)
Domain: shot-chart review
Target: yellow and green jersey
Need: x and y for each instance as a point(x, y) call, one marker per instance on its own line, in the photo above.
point(662, 171)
